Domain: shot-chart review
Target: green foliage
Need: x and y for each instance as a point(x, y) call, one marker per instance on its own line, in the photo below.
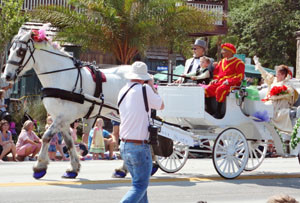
point(266, 28)
point(35, 108)
point(126, 27)
point(11, 19)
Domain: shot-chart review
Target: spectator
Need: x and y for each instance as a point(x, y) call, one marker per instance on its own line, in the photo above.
point(52, 147)
point(7, 145)
point(97, 145)
point(2, 102)
point(134, 133)
point(115, 133)
point(55, 143)
point(28, 142)
point(80, 147)
point(7, 87)
point(108, 141)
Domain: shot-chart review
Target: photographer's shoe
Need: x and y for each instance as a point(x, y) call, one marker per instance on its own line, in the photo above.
point(119, 173)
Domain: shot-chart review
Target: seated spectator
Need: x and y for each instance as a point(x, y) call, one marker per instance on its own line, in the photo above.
point(109, 144)
point(97, 144)
point(80, 147)
point(28, 142)
point(6, 143)
point(115, 133)
point(202, 75)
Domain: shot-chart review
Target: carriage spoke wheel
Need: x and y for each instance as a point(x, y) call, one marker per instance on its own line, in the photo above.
point(257, 153)
point(176, 160)
point(230, 153)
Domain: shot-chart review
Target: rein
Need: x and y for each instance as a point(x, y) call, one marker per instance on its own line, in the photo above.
point(55, 92)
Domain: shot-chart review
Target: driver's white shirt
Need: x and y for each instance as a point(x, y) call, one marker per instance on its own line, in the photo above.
point(134, 118)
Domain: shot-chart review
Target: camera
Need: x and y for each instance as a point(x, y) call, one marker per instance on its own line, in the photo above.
point(153, 134)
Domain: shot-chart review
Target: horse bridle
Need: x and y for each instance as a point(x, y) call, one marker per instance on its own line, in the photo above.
point(21, 52)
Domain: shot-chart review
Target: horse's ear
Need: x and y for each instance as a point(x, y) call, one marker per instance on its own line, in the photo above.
point(21, 31)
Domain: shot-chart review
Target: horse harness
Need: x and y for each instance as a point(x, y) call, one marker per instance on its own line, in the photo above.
point(97, 75)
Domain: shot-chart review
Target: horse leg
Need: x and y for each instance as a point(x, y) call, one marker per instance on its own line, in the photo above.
point(75, 165)
point(41, 165)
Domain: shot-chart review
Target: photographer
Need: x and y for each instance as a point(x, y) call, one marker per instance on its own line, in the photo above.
point(134, 134)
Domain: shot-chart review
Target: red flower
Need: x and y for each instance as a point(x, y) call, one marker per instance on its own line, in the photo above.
point(275, 91)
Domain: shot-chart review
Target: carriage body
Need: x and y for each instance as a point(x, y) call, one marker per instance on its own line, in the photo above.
point(237, 142)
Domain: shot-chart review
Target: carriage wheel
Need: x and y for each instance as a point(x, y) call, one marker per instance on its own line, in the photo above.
point(257, 153)
point(230, 153)
point(176, 160)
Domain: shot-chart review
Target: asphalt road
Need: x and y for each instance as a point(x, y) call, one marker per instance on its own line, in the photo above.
point(196, 181)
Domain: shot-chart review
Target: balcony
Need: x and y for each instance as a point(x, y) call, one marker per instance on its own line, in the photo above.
point(219, 9)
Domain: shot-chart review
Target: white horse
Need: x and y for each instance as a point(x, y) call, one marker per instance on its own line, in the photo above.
point(55, 69)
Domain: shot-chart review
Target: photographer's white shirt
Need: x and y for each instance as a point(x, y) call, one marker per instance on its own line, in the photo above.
point(134, 118)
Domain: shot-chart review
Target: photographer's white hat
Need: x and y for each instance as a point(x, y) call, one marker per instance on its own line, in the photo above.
point(138, 71)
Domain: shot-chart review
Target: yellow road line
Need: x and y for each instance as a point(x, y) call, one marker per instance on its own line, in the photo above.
point(153, 180)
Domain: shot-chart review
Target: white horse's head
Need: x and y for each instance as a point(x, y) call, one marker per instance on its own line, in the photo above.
point(20, 58)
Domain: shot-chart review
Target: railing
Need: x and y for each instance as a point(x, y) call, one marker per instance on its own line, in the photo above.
point(31, 4)
point(217, 8)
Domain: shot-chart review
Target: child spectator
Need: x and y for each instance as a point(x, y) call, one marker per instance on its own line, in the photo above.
point(202, 74)
point(52, 147)
point(2, 104)
point(7, 145)
point(55, 143)
point(97, 145)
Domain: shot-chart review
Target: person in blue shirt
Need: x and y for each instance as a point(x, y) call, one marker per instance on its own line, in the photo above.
point(108, 140)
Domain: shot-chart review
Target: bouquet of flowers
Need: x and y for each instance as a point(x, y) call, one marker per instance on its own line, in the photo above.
point(276, 91)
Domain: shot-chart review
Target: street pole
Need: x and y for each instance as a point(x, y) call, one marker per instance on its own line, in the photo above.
point(298, 55)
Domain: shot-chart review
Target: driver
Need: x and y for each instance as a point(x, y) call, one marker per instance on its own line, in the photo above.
point(229, 72)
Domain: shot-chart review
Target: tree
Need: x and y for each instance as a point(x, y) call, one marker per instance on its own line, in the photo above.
point(265, 28)
point(125, 27)
point(12, 18)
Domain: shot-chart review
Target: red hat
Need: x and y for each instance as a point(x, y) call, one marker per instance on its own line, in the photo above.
point(229, 47)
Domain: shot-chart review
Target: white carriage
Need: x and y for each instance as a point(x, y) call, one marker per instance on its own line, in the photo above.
point(237, 142)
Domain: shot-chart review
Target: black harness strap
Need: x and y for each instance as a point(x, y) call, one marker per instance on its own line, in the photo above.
point(62, 94)
point(98, 90)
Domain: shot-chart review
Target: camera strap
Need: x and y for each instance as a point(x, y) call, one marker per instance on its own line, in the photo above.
point(126, 93)
point(145, 99)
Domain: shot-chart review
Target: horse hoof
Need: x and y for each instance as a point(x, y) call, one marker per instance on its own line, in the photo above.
point(70, 175)
point(119, 174)
point(40, 174)
point(154, 169)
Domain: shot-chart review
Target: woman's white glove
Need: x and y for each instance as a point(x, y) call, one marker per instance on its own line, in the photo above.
point(256, 62)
